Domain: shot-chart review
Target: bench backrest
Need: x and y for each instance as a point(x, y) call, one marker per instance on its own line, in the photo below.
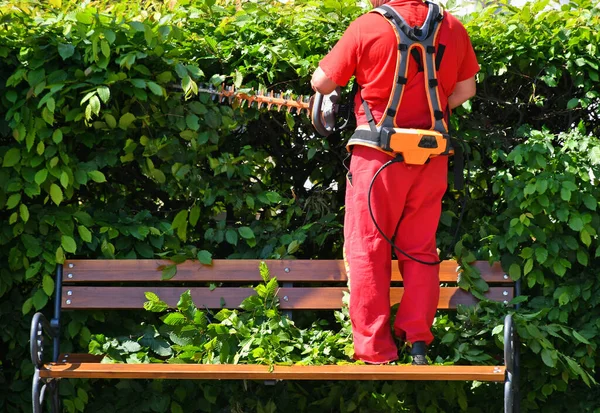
point(304, 284)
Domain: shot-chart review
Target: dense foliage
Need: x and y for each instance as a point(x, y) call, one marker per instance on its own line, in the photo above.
point(259, 334)
point(107, 151)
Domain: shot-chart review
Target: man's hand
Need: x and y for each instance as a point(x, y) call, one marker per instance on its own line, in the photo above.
point(463, 91)
point(321, 83)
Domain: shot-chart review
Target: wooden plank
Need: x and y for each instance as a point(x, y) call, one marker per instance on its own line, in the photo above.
point(258, 372)
point(297, 298)
point(105, 271)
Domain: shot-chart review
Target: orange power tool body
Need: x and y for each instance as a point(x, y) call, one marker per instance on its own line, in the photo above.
point(415, 145)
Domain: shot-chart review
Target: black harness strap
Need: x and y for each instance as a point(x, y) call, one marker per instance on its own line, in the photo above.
point(438, 56)
point(416, 55)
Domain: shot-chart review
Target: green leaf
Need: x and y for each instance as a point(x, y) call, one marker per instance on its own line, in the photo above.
point(48, 285)
point(64, 179)
point(68, 244)
point(104, 93)
point(558, 268)
point(179, 219)
point(110, 120)
point(155, 88)
point(576, 223)
point(27, 305)
point(231, 236)
point(24, 212)
point(40, 176)
point(60, 255)
point(126, 120)
point(572, 103)
point(105, 48)
point(13, 201)
point(158, 175)
point(169, 272)
point(138, 83)
point(40, 299)
point(293, 247)
point(549, 357)
point(290, 121)
point(193, 122)
point(580, 338)
point(33, 270)
point(11, 158)
point(161, 347)
point(11, 96)
point(590, 202)
point(514, 271)
point(246, 232)
point(97, 176)
point(94, 106)
point(174, 319)
point(66, 50)
point(582, 257)
point(528, 266)
point(204, 257)
point(541, 185)
point(585, 237)
point(541, 254)
point(56, 194)
point(154, 304)
point(165, 77)
point(84, 233)
point(176, 407)
point(194, 215)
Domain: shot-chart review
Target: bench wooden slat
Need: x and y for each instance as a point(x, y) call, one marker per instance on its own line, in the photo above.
point(296, 298)
point(259, 372)
point(104, 271)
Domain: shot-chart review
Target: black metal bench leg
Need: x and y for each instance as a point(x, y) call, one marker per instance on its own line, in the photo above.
point(54, 396)
point(508, 394)
point(38, 392)
point(509, 360)
point(516, 376)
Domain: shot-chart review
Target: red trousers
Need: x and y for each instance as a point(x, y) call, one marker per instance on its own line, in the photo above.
point(406, 197)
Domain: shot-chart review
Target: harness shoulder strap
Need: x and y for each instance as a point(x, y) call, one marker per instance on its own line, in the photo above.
point(409, 38)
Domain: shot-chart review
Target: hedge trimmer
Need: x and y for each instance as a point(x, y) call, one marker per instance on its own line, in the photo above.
point(325, 112)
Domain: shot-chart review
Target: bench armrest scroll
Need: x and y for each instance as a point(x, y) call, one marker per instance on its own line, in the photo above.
point(39, 327)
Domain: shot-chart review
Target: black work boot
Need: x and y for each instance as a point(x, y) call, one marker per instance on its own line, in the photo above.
point(418, 353)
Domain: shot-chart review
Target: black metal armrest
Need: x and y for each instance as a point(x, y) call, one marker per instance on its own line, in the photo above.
point(510, 360)
point(509, 350)
point(39, 327)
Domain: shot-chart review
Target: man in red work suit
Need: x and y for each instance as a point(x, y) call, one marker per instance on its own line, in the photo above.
point(405, 199)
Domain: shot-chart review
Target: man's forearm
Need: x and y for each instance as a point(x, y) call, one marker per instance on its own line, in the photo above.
point(321, 83)
point(455, 100)
point(463, 91)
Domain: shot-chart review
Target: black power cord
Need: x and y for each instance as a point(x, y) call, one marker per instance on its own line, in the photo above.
point(399, 158)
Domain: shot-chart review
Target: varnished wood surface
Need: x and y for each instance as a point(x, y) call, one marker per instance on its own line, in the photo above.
point(296, 298)
point(258, 372)
point(105, 271)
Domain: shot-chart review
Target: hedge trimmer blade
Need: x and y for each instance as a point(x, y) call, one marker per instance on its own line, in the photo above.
point(260, 100)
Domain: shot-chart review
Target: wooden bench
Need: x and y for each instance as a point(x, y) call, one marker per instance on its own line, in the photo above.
point(121, 284)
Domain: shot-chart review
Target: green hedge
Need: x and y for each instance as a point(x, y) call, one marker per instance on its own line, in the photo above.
point(106, 151)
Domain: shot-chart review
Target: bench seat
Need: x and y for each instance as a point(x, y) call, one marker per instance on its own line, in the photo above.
point(89, 366)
